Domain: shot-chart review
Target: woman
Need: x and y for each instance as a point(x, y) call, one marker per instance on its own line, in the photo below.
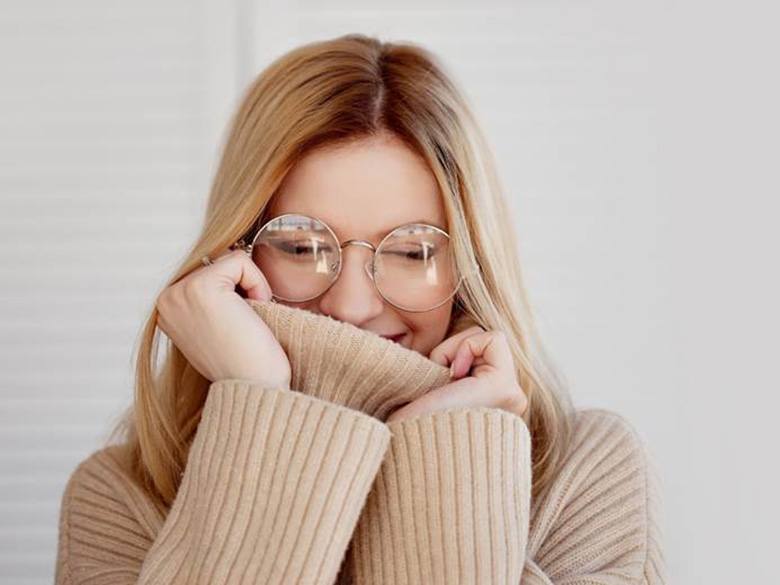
point(354, 391)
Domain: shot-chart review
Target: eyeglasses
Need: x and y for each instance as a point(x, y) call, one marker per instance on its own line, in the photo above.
point(412, 268)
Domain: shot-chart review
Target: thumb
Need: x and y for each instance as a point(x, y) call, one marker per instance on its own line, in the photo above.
point(253, 281)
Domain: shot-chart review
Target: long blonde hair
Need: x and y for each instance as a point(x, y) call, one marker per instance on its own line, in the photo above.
point(325, 93)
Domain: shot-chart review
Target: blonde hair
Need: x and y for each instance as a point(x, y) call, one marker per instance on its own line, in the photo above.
point(326, 93)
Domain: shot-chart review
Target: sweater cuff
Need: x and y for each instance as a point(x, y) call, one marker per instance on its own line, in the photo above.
point(450, 503)
point(273, 487)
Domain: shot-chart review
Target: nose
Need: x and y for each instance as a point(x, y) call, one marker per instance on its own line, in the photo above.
point(353, 298)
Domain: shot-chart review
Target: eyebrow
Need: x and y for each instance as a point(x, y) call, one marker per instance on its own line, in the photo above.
point(384, 232)
point(377, 235)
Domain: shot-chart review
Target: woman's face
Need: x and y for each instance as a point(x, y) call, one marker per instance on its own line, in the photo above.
point(362, 191)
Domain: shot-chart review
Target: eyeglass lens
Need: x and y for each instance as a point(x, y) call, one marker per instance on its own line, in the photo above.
point(299, 255)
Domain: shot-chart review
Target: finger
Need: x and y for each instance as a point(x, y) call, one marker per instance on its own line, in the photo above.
point(215, 258)
point(222, 255)
point(444, 353)
point(462, 361)
point(239, 269)
point(483, 350)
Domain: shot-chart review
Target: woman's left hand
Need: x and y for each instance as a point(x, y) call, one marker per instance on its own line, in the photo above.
point(492, 383)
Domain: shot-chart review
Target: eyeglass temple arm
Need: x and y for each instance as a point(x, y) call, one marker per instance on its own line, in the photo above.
point(240, 245)
point(242, 241)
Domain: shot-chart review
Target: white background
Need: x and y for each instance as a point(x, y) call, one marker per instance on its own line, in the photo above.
point(638, 143)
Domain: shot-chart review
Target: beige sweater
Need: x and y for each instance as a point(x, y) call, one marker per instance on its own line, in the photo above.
point(311, 486)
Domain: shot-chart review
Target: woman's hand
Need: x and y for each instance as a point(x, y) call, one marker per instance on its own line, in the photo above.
point(493, 382)
point(215, 328)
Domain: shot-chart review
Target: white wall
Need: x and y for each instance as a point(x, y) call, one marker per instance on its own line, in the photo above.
point(635, 141)
point(108, 127)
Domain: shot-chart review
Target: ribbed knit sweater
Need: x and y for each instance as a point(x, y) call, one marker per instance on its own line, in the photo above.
point(308, 485)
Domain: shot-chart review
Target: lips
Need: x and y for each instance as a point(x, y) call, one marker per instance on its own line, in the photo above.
point(396, 338)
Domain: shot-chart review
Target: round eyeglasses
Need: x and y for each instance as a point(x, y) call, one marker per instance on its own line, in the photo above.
point(412, 268)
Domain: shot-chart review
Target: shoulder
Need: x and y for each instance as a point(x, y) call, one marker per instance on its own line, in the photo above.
point(599, 430)
point(611, 462)
point(604, 422)
point(604, 502)
point(101, 483)
point(101, 471)
point(106, 520)
point(607, 458)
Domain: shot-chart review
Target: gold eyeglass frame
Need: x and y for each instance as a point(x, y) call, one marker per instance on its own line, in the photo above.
point(254, 233)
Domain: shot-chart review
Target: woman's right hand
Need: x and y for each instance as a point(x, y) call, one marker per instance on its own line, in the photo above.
point(215, 328)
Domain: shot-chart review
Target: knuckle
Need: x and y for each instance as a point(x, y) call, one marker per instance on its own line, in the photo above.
point(473, 330)
point(193, 289)
point(162, 297)
point(168, 294)
point(515, 396)
point(162, 300)
point(523, 402)
point(243, 258)
point(499, 336)
point(166, 301)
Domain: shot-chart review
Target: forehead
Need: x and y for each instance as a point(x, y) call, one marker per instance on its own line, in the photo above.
point(362, 189)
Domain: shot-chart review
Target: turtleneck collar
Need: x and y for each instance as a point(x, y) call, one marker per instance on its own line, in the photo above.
point(339, 362)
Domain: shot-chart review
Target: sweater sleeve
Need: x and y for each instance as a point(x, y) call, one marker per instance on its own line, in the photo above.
point(451, 504)
point(271, 493)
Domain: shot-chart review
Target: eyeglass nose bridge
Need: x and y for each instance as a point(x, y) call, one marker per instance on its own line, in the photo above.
point(368, 266)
